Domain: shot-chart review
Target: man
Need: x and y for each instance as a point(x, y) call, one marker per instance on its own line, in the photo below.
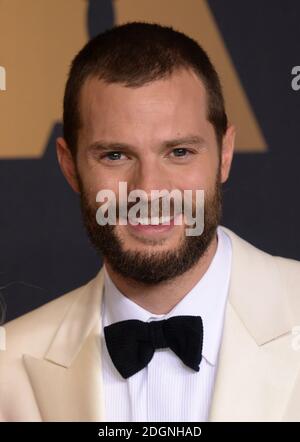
point(174, 327)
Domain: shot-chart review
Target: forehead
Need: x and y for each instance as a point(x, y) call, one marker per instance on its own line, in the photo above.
point(175, 103)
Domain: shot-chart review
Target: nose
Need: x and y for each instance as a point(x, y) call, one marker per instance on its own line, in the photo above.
point(150, 175)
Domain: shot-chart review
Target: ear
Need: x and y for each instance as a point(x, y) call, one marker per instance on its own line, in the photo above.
point(67, 163)
point(227, 152)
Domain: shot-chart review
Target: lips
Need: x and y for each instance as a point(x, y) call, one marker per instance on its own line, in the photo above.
point(154, 221)
point(150, 226)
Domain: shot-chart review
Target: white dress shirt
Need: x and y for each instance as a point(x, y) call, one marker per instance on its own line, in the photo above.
point(166, 390)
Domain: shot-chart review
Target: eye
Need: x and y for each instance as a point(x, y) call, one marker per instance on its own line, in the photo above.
point(112, 156)
point(181, 152)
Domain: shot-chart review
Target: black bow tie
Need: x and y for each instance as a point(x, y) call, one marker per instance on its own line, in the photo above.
point(131, 344)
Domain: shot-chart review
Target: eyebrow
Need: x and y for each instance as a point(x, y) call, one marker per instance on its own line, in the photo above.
point(102, 145)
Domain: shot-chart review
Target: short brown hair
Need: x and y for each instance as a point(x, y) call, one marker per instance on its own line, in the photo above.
point(134, 54)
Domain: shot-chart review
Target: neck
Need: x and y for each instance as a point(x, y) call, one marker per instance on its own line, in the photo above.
point(162, 298)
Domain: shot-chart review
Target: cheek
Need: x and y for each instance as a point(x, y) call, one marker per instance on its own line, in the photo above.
point(200, 177)
point(96, 179)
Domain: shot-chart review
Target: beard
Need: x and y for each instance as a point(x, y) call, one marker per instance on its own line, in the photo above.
point(152, 267)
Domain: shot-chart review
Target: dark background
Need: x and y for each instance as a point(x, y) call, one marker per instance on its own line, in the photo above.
point(44, 248)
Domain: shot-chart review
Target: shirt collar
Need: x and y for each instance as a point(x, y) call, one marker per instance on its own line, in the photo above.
point(207, 299)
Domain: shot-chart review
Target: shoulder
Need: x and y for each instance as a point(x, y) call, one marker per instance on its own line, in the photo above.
point(31, 334)
point(33, 331)
point(261, 269)
point(252, 252)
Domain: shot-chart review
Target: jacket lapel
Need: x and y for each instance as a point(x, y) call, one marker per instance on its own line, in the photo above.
point(67, 383)
point(257, 313)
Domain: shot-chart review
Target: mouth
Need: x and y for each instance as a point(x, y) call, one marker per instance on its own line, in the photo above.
point(154, 225)
point(154, 221)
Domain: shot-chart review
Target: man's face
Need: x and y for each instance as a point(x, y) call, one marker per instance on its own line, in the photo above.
point(153, 137)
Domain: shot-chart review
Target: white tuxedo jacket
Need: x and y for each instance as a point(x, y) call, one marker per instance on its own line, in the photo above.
point(51, 368)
